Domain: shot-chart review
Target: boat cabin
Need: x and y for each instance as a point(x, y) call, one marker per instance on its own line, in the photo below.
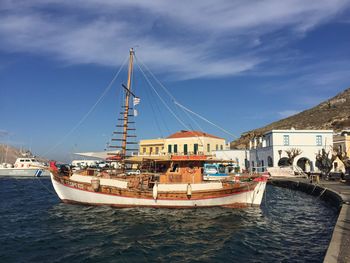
point(194, 169)
point(26, 162)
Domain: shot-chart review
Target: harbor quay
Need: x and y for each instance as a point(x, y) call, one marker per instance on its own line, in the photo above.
point(338, 194)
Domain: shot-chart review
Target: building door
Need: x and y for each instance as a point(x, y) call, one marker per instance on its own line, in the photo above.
point(304, 164)
point(185, 149)
point(195, 148)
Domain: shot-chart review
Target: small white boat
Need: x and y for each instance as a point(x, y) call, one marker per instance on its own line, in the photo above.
point(24, 167)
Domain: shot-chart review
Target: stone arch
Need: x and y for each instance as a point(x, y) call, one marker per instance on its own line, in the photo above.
point(283, 161)
point(305, 164)
point(269, 161)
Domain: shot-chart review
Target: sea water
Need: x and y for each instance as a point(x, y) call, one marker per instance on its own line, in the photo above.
point(36, 227)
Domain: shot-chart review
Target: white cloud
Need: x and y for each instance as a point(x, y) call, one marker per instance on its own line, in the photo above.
point(188, 39)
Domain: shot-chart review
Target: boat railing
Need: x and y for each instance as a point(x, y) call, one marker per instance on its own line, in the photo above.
point(258, 169)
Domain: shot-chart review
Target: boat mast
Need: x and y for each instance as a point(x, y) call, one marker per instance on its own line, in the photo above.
point(127, 99)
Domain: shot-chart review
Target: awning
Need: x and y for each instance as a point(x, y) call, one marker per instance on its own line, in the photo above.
point(99, 155)
point(139, 159)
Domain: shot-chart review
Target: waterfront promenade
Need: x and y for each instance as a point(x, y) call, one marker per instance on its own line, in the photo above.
point(338, 194)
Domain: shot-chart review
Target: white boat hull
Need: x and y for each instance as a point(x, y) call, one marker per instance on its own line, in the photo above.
point(16, 172)
point(71, 194)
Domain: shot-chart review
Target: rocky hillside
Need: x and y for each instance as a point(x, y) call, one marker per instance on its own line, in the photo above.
point(9, 154)
point(331, 114)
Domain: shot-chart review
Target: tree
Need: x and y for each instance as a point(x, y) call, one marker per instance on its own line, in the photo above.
point(323, 162)
point(292, 153)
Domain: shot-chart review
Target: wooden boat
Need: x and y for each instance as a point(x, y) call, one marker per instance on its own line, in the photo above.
point(174, 182)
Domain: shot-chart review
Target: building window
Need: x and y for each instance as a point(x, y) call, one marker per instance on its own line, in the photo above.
point(216, 147)
point(195, 148)
point(150, 150)
point(269, 161)
point(208, 147)
point(286, 140)
point(144, 149)
point(157, 150)
point(169, 148)
point(318, 140)
point(185, 149)
point(221, 147)
point(175, 148)
point(268, 141)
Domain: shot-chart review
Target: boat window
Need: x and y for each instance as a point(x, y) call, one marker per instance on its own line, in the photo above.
point(175, 168)
point(229, 169)
point(21, 160)
point(221, 168)
point(33, 160)
point(27, 160)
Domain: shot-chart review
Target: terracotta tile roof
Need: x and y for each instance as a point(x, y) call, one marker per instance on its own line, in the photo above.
point(186, 134)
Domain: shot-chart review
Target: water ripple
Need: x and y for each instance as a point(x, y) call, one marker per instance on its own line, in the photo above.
point(36, 227)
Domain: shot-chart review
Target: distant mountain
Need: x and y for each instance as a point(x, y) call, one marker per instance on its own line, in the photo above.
point(9, 154)
point(333, 114)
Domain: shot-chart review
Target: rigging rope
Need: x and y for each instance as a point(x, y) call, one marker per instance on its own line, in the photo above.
point(89, 112)
point(169, 94)
point(162, 100)
point(154, 112)
point(183, 107)
point(201, 117)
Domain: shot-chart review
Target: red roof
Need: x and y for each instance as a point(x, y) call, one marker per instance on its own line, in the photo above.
point(186, 134)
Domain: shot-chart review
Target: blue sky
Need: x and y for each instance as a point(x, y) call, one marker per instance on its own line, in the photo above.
point(241, 64)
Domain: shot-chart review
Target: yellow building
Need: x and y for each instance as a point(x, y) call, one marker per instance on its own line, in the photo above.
point(151, 147)
point(183, 143)
point(342, 142)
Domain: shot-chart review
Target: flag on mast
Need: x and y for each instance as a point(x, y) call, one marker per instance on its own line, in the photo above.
point(136, 101)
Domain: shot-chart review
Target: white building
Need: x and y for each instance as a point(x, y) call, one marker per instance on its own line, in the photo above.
point(270, 149)
point(239, 156)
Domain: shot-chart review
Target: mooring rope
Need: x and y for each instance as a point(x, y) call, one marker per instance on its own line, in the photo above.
point(47, 189)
